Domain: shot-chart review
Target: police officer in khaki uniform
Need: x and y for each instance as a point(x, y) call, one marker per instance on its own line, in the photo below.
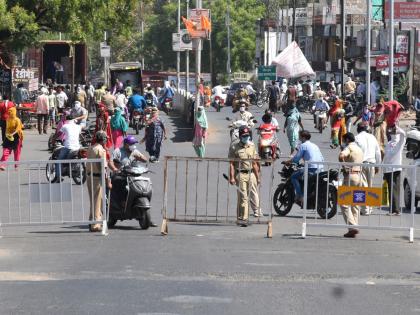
point(352, 153)
point(246, 175)
point(94, 179)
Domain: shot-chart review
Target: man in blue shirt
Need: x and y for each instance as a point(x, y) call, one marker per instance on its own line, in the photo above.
point(308, 152)
point(136, 102)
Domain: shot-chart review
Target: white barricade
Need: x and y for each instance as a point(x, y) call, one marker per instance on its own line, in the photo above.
point(31, 197)
point(320, 187)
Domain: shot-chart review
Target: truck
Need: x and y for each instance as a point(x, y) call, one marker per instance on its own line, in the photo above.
point(61, 51)
point(127, 71)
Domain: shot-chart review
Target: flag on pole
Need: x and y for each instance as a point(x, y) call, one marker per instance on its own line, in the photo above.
point(205, 24)
point(191, 28)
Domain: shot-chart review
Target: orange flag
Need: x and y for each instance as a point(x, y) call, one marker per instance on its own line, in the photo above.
point(205, 23)
point(189, 25)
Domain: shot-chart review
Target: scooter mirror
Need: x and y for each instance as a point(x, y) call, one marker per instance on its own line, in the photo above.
point(255, 121)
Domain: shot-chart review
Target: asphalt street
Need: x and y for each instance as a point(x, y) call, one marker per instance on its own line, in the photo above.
point(206, 268)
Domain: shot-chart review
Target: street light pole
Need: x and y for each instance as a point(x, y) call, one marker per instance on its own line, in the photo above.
point(368, 48)
point(391, 50)
point(187, 57)
point(178, 53)
point(228, 66)
point(198, 63)
point(343, 43)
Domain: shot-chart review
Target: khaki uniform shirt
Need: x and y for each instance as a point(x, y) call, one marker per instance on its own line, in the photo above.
point(353, 154)
point(243, 152)
point(96, 152)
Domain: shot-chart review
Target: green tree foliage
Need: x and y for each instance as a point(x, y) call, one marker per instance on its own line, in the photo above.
point(24, 20)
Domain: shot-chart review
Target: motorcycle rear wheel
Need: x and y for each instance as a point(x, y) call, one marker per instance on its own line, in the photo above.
point(283, 200)
point(332, 204)
point(79, 177)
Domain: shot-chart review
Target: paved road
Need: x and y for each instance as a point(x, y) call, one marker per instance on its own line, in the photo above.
point(205, 269)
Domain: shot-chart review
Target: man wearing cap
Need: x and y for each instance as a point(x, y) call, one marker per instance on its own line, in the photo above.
point(246, 175)
point(127, 154)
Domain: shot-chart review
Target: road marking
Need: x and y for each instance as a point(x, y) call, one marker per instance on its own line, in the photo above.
point(264, 265)
point(25, 276)
point(196, 299)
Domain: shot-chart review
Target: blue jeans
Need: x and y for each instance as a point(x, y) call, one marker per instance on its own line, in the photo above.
point(296, 177)
point(64, 153)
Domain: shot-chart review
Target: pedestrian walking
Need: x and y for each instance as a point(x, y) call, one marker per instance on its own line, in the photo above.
point(52, 106)
point(371, 155)
point(273, 96)
point(246, 175)
point(392, 175)
point(13, 138)
point(94, 179)
point(348, 114)
point(366, 116)
point(200, 132)
point(336, 116)
point(119, 128)
point(81, 96)
point(291, 127)
point(154, 134)
point(103, 123)
point(62, 99)
point(393, 110)
point(291, 95)
point(42, 111)
point(4, 114)
point(379, 125)
point(352, 178)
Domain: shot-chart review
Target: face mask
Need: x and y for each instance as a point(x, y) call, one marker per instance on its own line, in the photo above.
point(77, 106)
point(132, 147)
point(241, 109)
point(245, 139)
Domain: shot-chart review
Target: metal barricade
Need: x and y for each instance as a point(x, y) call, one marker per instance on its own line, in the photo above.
point(30, 197)
point(370, 193)
point(198, 191)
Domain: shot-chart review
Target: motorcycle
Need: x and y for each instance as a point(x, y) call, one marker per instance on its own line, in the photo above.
point(234, 129)
point(322, 191)
point(167, 105)
point(304, 103)
point(218, 103)
point(77, 171)
point(137, 121)
point(85, 138)
point(130, 196)
point(268, 144)
point(320, 119)
point(258, 98)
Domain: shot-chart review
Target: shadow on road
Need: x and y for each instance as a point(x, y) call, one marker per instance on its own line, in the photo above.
point(182, 132)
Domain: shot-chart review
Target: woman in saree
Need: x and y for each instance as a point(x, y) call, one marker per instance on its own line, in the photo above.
point(119, 128)
point(14, 138)
point(336, 114)
point(103, 124)
point(200, 132)
point(291, 127)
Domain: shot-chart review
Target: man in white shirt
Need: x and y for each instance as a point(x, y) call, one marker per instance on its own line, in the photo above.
point(71, 131)
point(61, 99)
point(393, 156)
point(79, 114)
point(42, 111)
point(371, 155)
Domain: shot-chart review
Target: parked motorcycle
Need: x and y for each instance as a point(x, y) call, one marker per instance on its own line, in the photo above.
point(130, 196)
point(77, 171)
point(268, 144)
point(318, 194)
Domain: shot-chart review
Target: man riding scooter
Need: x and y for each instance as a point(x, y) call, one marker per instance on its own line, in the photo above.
point(320, 110)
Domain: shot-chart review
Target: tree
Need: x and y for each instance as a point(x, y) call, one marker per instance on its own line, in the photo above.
point(79, 19)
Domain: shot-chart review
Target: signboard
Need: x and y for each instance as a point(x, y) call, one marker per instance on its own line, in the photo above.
point(105, 50)
point(27, 76)
point(404, 10)
point(360, 196)
point(266, 73)
point(401, 44)
point(196, 17)
point(301, 16)
point(181, 41)
point(400, 62)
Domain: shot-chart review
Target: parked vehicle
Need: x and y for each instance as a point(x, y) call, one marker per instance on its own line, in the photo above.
point(77, 171)
point(130, 196)
point(413, 152)
point(325, 188)
point(232, 91)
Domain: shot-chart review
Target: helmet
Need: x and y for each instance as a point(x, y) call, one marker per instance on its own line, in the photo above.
point(148, 85)
point(244, 131)
point(101, 137)
point(413, 141)
point(130, 140)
